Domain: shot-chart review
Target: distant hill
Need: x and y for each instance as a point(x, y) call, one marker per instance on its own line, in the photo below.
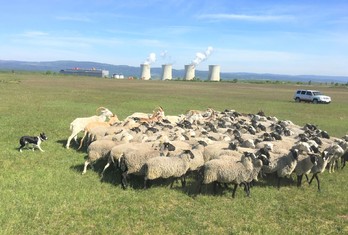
point(56, 66)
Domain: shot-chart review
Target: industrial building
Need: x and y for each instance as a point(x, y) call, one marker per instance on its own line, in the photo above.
point(86, 72)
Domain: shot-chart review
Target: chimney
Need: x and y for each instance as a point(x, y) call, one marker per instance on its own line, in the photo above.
point(214, 73)
point(166, 72)
point(189, 72)
point(145, 72)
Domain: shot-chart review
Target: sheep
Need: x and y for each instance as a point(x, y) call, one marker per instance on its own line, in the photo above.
point(216, 149)
point(335, 152)
point(228, 171)
point(97, 150)
point(116, 153)
point(344, 158)
point(113, 119)
point(322, 162)
point(304, 166)
point(166, 167)
point(132, 161)
point(283, 166)
point(287, 164)
point(79, 124)
point(198, 161)
point(303, 147)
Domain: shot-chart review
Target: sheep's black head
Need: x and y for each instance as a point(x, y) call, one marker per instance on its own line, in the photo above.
point(189, 152)
point(264, 159)
point(314, 159)
point(232, 146)
point(314, 149)
point(135, 129)
point(201, 142)
point(169, 146)
point(294, 153)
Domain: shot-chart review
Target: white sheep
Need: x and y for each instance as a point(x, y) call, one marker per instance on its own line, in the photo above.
point(228, 171)
point(79, 124)
point(97, 150)
point(168, 167)
point(335, 152)
point(132, 157)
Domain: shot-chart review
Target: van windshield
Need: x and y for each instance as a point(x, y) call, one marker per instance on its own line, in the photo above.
point(317, 93)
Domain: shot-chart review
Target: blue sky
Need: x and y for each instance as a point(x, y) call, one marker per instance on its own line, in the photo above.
point(269, 36)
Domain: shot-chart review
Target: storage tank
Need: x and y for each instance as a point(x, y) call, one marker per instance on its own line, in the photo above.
point(166, 72)
point(145, 72)
point(189, 72)
point(214, 73)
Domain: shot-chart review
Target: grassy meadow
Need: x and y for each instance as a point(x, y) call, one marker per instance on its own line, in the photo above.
point(45, 193)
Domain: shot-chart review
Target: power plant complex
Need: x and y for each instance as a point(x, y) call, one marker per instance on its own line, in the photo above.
point(190, 72)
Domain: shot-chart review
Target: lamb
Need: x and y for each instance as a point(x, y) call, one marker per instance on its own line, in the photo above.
point(166, 167)
point(228, 171)
point(97, 150)
point(113, 119)
point(79, 124)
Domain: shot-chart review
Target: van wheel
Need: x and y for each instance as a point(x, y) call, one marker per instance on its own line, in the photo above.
point(315, 101)
point(297, 100)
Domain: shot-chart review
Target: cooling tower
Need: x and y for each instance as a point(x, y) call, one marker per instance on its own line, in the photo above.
point(214, 73)
point(166, 72)
point(189, 72)
point(145, 72)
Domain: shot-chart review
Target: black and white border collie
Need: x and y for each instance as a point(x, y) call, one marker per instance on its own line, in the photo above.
point(33, 140)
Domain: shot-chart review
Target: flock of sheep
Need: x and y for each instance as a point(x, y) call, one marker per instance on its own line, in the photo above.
point(219, 147)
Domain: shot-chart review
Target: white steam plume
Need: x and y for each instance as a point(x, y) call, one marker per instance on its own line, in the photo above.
point(202, 56)
point(150, 59)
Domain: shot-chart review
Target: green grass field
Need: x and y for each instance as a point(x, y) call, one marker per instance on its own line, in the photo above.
point(45, 193)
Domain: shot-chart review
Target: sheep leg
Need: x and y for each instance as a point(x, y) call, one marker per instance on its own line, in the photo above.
point(81, 141)
point(234, 190)
point(105, 167)
point(336, 164)
point(278, 183)
point(172, 182)
point(145, 183)
point(246, 188)
point(343, 163)
point(72, 136)
point(85, 167)
point(307, 178)
point(124, 180)
point(183, 181)
point(317, 178)
point(299, 180)
point(215, 184)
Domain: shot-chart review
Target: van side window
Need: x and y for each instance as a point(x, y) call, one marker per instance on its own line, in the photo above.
point(298, 92)
point(303, 92)
point(309, 93)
